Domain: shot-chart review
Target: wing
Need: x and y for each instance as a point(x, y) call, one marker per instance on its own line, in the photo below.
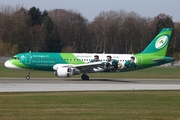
point(84, 68)
point(90, 67)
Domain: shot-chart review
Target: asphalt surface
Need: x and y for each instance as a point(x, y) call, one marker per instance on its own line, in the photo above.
point(73, 84)
point(3, 59)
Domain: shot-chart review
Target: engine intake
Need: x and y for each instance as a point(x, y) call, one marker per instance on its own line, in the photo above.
point(64, 72)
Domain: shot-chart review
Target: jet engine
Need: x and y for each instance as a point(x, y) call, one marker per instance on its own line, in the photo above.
point(64, 72)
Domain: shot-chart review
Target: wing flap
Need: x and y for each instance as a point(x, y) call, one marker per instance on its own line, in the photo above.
point(91, 67)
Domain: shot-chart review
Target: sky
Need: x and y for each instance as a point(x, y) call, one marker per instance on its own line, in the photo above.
point(91, 8)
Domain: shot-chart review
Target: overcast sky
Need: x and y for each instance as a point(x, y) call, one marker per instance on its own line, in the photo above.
point(91, 8)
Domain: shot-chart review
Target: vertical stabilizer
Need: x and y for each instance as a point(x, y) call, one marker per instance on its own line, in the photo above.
point(160, 43)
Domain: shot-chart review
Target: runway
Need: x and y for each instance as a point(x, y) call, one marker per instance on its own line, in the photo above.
point(73, 84)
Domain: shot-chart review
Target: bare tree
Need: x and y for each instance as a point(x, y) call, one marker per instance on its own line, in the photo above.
point(71, 27)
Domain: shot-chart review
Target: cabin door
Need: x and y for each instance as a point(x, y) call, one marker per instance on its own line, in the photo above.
point(28, 59)
point(139, 60)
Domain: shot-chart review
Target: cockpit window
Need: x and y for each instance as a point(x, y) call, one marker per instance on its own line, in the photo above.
point(15, 58)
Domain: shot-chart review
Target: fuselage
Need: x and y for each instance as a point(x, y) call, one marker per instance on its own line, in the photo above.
point(46, 61)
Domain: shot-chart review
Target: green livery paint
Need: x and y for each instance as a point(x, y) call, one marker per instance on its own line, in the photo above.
point(69, 63)
point(154, 53)
point(160, 43)
point(43, 61)
point(18, 63)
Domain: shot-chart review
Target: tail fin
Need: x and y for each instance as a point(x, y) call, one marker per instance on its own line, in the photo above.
point(160, 43)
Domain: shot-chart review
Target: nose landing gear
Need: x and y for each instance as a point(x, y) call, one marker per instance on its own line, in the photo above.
point(28, 75)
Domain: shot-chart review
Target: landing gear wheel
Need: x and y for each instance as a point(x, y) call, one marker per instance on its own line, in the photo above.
point(27, 77)
point(85, 77)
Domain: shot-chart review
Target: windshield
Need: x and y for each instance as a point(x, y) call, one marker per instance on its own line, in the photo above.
point(15, 58)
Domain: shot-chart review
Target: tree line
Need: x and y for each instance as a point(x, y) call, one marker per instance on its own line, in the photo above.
point(60, 30)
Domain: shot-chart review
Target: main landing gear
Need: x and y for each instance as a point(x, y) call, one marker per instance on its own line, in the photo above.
point(28, 75)
point(84, 76)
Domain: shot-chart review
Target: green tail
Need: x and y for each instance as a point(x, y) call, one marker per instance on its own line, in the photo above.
point(159, 44)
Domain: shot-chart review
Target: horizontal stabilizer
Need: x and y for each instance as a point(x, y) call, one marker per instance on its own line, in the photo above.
point(166, 59)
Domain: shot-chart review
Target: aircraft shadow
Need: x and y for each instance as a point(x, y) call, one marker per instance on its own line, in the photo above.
point(103, 80)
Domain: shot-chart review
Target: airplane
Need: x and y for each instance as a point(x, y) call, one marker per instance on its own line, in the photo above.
point(69, 64)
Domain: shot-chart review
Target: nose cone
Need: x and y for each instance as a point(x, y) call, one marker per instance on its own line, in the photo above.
point(8, 64)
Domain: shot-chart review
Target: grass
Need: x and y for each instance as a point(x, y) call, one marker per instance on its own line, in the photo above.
point(155, 72)
point(97, 105)
point(102, 105)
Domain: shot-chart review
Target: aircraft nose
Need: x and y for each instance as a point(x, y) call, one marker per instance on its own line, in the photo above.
point(8, 64)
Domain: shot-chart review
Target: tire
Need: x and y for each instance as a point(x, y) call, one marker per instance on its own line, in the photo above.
point(27, 77)
point(85, 77)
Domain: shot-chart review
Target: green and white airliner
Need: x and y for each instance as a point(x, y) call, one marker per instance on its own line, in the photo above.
point(69, 64)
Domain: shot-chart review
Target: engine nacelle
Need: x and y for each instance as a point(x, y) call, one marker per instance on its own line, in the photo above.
point(64, 72)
